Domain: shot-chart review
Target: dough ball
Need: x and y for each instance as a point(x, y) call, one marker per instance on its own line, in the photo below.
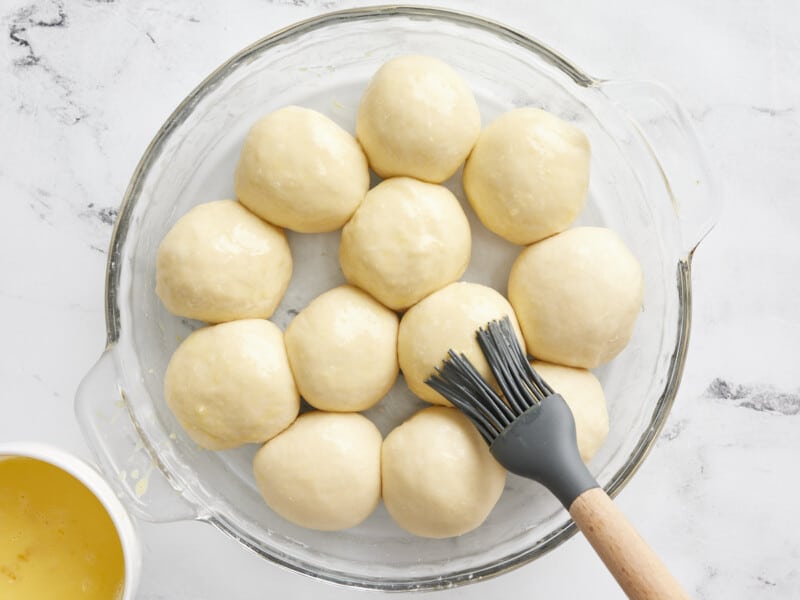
point(231, 384)
point(439, 478)
point(407, 239)
point(527, 175)
point(417, 118)
point(324, 472)
point(343, 350)
point(448, 319)
point(220, 262)
point(577, 296)
point(584, 395)
point(300, 170)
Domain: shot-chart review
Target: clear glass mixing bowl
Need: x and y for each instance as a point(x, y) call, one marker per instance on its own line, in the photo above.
point(648, 183)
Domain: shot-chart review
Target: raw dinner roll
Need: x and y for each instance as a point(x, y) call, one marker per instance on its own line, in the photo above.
point(343, 350)
point(231, 384)
point(324, 472)
point(220, 262)
point(527, 175)
point(584, 395)
point(448, 319)
point(300, 170)
point(439, 478)
point(417, 118)
point(408, 239)
point(577, 296)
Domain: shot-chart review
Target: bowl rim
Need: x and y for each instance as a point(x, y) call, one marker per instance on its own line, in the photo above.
point(133, 192)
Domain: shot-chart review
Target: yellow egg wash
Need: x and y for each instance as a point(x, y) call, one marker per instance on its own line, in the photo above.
point(56, 539)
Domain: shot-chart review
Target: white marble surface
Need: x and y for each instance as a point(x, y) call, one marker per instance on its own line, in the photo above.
point(84, 85)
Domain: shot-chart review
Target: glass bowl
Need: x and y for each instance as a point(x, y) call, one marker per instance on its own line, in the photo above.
point(648, 182)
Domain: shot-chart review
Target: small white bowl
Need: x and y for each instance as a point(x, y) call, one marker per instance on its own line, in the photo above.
point(89, 477)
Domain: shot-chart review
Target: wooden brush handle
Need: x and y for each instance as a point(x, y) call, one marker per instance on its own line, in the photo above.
point(637, 569)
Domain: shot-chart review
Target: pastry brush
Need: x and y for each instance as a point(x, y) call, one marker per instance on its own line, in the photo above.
point(531, 432)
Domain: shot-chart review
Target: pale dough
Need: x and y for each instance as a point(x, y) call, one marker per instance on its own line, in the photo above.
point(300, 170)
point(528, 175)
point(343, 350)
point(439, 478)
point(448, 319)
point(220, 262)
point(324, 472)
point(408, 239)
point(584, 395)
point(577, 296)
point(231, 384)
point(418, 118)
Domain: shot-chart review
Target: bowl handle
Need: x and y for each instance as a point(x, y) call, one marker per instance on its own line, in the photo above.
point(128, 464)
point(668, 132)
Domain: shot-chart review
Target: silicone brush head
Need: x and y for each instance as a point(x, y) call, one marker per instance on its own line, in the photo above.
point(528, 426)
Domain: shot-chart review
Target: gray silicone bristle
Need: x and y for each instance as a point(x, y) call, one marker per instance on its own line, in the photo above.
point(529, 428)
point(460, 382)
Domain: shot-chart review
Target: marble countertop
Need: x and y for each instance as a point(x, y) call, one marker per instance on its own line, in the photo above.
point(84, 84)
